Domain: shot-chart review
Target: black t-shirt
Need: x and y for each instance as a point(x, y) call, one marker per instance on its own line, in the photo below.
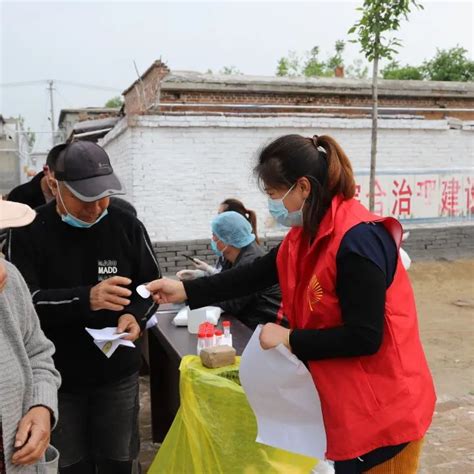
point(60, 264)
point(29, 193)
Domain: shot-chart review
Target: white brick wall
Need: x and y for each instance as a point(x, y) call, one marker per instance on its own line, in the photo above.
point(177, 169)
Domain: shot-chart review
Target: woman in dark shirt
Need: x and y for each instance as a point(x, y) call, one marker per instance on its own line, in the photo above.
point(234, 241)
point(349, 303)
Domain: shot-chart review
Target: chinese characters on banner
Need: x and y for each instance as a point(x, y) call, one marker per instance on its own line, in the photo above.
point(420, 196)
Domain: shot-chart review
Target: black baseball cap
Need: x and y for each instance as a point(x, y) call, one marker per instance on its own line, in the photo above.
point(85, 169)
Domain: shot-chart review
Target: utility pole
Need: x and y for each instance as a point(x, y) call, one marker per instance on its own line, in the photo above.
point(51, 105)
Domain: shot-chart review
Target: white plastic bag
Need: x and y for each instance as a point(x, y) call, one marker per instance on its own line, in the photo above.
point(406, 260)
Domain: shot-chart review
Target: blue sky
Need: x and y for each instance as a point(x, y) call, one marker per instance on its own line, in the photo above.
point(96, 42)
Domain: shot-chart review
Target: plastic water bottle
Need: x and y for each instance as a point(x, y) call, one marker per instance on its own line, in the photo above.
point(227, 338)
point(209, 338)
point(219, 336)
point(200, 342)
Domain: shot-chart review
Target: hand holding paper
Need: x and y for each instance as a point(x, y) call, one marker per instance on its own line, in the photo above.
point(282, 395)
point(273, 334)
point(108, 339)
point(128, 324)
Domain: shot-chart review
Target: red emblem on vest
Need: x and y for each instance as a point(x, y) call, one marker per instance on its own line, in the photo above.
point(314, 292)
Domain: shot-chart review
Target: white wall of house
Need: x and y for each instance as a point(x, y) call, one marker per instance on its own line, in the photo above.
point(178, 168)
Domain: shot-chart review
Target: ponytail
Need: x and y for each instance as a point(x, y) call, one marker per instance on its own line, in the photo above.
point(252, 218)
point(319, 159)
point(238, 206)
point(340, 177)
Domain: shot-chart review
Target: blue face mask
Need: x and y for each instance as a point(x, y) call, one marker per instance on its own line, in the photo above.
point(219, 253)
point(76, 222)
point(281, 214)
point(80, 224)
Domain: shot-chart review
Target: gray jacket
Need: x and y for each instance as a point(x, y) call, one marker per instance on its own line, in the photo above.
point(27, 374)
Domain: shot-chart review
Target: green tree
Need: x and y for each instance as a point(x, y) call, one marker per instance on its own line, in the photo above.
point(313, 67)
point(393, 70)
point(230, 71)
point(114, 102)
point(29, 134)
point(336, 61)
point(357, 70)
point(373, 31)
point(449, 65)
point(289, 66)
point(31, 138)
point(282, 67)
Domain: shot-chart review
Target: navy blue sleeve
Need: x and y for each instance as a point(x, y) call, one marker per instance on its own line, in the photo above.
point(373, 242)
point(366, 264)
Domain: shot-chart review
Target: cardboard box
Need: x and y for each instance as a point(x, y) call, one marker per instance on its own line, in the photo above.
point(218, 356)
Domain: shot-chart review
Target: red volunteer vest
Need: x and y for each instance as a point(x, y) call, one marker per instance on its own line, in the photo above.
point(371, 401)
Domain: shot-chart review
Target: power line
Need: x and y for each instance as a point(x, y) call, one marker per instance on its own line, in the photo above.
point(68, 83)
point(50, 83)
point(24, 83)
point(51, 105)
point(89, 86)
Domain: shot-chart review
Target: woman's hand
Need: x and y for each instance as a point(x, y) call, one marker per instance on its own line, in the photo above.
point(32, 436)
point(273, 334)
point(185, 275)
point(165, 290)
point(205, 267)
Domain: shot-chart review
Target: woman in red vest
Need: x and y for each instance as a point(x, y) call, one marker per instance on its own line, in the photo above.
point(349, 302)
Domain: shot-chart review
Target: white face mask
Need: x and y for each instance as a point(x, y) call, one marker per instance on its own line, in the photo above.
point(281, 214)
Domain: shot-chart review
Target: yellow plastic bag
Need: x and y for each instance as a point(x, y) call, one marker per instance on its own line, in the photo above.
point(215, 429)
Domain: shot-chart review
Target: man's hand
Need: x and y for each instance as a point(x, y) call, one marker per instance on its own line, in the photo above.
point(128, 323)
point(32, 436)
point(272, 335)
point(110, 294)
point(3, 276)
point(165, 290)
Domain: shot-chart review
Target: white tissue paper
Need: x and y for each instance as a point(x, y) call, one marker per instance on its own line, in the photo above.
point(107, 340)
point(181, 319)
point(212, 315)
point(152, 322)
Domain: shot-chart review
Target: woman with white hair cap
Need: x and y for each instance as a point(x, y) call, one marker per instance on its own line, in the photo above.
point(28, 379)
point(233, 239)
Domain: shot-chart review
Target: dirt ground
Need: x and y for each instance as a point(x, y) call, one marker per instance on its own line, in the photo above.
point(445, 299)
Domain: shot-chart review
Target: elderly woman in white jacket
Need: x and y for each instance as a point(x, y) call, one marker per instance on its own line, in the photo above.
point(28, 379)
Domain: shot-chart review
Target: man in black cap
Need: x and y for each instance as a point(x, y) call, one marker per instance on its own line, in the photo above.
point(82, 261)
